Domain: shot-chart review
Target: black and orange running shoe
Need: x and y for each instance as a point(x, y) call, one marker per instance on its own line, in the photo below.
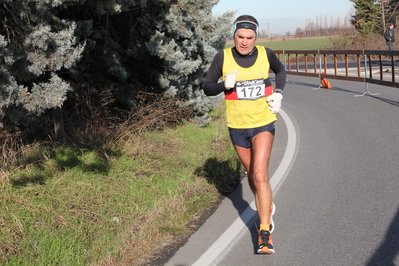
point(265, 243)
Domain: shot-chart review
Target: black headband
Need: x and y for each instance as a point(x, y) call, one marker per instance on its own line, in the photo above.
point(245, 25)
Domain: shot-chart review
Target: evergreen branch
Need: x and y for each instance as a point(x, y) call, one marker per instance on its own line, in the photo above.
point(13, 16)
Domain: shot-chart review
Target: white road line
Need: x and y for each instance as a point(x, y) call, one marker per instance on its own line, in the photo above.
point(216, 252)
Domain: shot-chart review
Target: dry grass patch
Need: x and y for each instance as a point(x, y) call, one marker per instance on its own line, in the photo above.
point(108, 205)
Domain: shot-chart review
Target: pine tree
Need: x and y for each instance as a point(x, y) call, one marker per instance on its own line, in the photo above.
point(187, 39)
point(54, 50)
point(367, 18)
point(391, 11)
point(35, 47)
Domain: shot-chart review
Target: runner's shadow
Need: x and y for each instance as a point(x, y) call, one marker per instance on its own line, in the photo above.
point(389, 249)
point(221, 174)
point(228, 182)
point(241, 205)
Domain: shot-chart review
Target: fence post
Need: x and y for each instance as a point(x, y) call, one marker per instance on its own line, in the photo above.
point(366, 85)
point(318, 54)
point(285, 60)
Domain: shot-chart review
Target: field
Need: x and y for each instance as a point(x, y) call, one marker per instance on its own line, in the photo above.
point(293, 43)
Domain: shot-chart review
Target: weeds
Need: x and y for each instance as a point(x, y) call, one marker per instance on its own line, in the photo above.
point(359, 42)
point(107, 201)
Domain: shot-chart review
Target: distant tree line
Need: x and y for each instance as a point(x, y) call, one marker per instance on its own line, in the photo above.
point(370, 17)
point(321, 26)
point(53, 53)
point(324, 26)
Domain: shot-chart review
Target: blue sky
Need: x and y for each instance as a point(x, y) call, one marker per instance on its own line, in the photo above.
point(280, 16)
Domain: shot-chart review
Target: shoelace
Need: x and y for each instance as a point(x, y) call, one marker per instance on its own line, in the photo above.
point(265, 237)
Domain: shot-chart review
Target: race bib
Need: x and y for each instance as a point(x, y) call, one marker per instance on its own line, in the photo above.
point(250, 89)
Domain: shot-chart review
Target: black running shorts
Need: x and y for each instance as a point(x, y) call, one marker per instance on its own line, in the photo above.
point(243, 137)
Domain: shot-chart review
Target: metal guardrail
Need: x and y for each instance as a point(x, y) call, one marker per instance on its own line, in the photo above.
point(369, 66)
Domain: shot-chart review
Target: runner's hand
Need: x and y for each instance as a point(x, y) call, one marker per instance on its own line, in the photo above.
point(230, 80)
point(274, 102)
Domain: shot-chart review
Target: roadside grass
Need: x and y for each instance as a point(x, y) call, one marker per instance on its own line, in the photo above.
point(108, 206)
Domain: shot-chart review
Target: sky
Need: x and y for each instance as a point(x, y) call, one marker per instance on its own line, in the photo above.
point(281, 16)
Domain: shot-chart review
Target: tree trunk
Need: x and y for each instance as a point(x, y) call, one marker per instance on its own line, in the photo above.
point(58, 122)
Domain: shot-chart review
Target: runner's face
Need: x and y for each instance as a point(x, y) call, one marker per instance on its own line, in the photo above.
point(244, 40)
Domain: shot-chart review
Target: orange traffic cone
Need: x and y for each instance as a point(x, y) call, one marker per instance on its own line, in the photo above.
point(325, 83)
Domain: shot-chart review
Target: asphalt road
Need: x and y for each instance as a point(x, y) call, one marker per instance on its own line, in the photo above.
point(335, 178)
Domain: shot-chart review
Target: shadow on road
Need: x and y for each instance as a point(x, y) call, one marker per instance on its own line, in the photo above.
point(391, 102)
point(225, 179)
point(389, 248)
point(388, 101)
point(315, 86)
point(221, 174)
